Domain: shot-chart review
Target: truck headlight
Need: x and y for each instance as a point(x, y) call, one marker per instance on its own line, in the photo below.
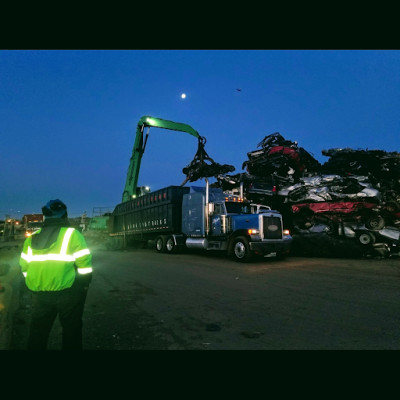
point(286, 232)
point(253, 231)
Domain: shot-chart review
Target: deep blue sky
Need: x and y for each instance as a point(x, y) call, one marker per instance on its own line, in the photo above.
point(68, 118)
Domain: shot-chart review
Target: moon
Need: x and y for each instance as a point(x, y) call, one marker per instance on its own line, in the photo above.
point(183, 96)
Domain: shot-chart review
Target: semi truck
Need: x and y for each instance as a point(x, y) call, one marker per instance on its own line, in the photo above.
point(193, 217)
point(177, 217)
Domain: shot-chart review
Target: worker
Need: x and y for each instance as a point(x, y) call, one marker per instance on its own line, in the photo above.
point(57, 266)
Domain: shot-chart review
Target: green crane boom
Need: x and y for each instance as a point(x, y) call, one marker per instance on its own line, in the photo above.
point(130, 190)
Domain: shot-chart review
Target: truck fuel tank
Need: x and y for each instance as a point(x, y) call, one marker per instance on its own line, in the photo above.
point(197, 243)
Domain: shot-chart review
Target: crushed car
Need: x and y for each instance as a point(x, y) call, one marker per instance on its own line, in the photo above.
point(352, 198)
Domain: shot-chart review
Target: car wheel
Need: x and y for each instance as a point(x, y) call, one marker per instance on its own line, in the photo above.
point(392, 206)
point(366, 238)
point(375, 223)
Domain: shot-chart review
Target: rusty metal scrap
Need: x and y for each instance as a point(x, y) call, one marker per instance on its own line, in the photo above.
point(203, 166)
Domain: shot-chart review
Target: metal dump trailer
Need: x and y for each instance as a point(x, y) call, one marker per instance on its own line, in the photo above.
point(148, 216)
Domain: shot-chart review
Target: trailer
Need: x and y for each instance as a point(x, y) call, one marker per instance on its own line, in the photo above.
point(147, 217)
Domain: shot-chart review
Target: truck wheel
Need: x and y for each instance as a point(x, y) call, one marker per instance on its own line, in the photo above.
point(160, 244)
point(112, 243)
point(109, 243)
point(122, 243)
point(241, 250)
point(170, 245)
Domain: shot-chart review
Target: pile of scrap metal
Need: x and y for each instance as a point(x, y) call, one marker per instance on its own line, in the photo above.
point(362, 201)
point(281, 158)
point(203, 166)
point(277, 164)
point(380, 167)
point(352, 199)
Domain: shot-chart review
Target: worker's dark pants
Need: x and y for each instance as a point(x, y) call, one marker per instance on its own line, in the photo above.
point(68, 304)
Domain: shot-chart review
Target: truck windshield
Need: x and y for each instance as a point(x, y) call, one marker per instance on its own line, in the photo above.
point(238, 208)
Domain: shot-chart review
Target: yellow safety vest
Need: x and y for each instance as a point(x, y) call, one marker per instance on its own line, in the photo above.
point(55, 268)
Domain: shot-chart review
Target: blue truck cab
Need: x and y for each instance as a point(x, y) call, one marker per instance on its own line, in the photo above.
point(214, 220)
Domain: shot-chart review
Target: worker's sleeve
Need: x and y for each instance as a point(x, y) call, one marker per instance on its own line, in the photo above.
point(24, 258)
point(82, 255)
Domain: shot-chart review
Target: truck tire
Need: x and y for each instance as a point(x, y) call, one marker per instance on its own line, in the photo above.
point(115, 243)
point(241, 250)
point(119, 243)
point(160, 244)
point(170, 246)
point(111, 243)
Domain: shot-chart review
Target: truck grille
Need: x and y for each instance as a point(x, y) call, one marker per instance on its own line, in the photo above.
point(272, 227)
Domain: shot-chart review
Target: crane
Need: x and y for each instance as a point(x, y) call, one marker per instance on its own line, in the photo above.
point(131, 189)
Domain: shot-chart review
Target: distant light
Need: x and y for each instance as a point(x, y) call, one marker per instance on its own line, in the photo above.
point(183, 96)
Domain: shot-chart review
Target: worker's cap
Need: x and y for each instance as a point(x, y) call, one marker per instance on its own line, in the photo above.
point(55, 209)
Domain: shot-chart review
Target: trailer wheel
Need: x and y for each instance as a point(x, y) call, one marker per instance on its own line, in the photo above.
point(241, 250)
point(170, 245)
point(160, 244)
point(110, 243)
point(114, 243)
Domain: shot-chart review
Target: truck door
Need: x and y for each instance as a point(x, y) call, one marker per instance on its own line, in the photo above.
point(216, 219)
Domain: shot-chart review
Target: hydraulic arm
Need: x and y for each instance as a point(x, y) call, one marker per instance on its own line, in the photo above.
point(130, 190)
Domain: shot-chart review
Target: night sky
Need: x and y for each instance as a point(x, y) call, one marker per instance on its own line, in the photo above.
point(68, 118)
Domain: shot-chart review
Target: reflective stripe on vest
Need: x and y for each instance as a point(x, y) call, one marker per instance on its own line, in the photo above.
point(84, 271)
point(62, 256)
point(65, 242)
